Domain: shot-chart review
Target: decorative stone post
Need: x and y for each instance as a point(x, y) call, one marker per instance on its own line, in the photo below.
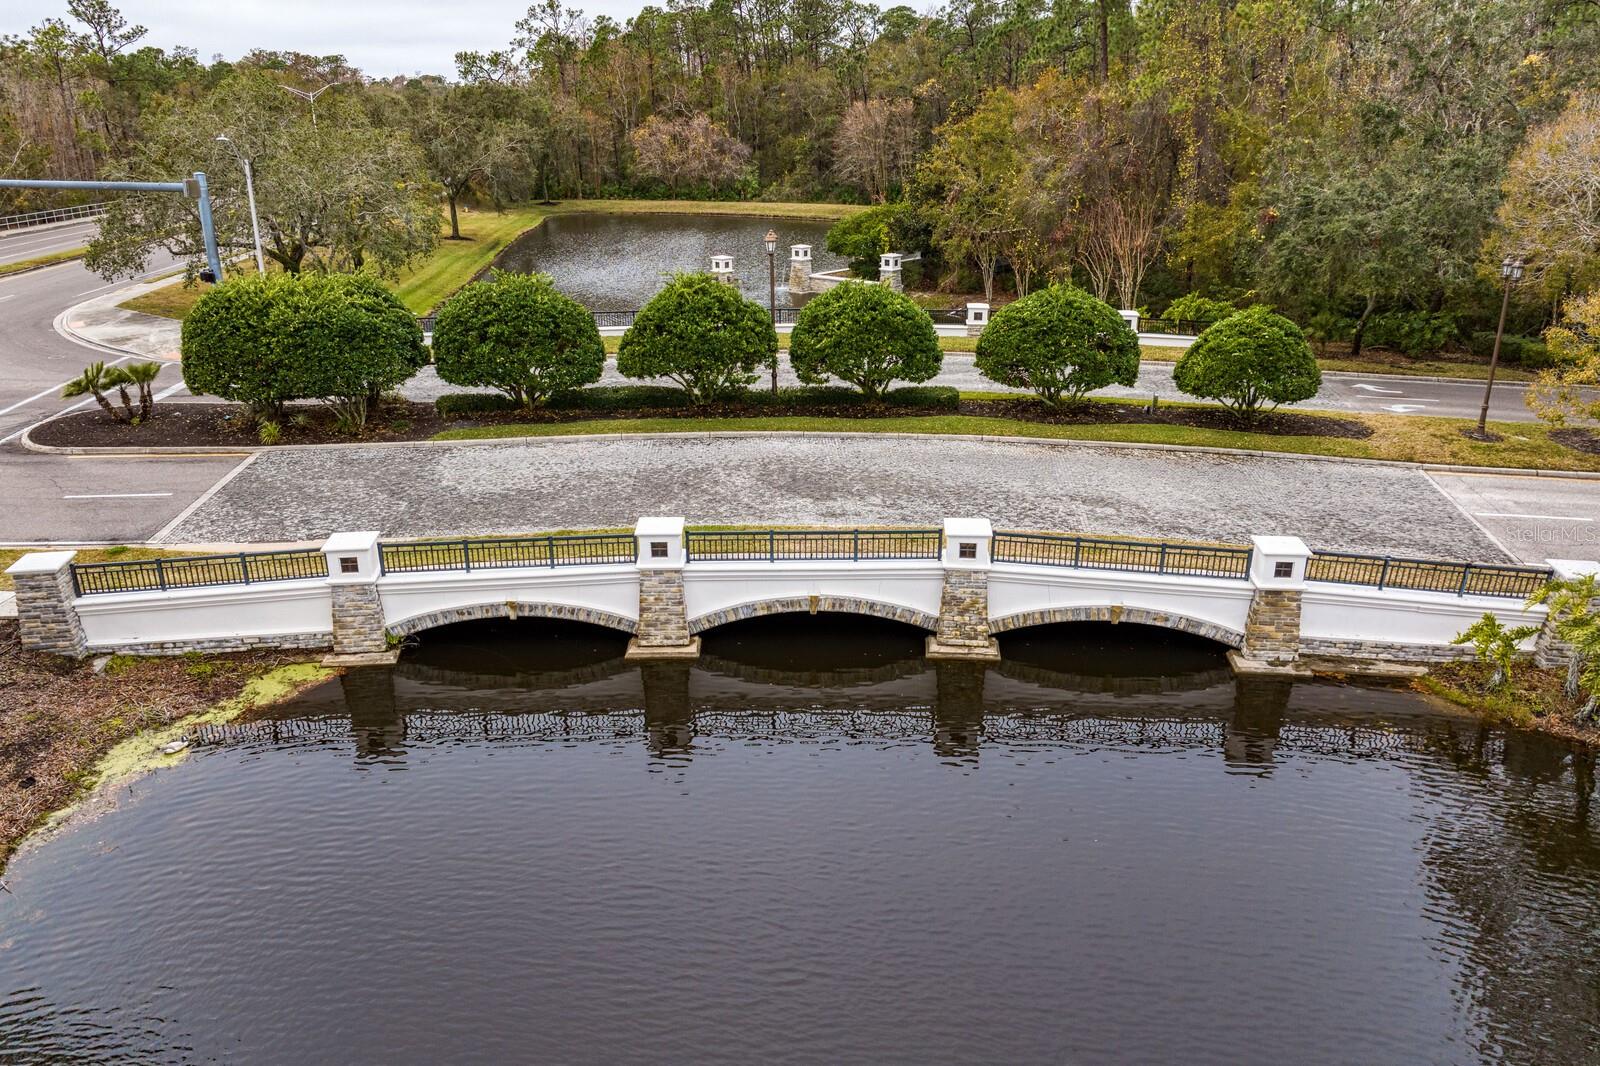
point(722, 270)
point(890, 275)
point(799, 268)
point(1272, 627)
point(1132, 319)
point(47, 618)
point(977, 318)
point(359, 632)
point(663, 619)
point(964, 601)
point(1549, 650)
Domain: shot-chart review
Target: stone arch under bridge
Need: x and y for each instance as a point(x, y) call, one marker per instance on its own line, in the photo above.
point(815, 605)
point(1133, 615)
point(511, 609)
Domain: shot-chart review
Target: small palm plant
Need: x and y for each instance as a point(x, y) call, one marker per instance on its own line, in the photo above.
point(1572, 609)
point(142, 375)
point(96, 380)
point(1495, 645)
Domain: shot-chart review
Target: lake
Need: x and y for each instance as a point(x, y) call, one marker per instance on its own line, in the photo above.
point(812, 845)
point(617, 262)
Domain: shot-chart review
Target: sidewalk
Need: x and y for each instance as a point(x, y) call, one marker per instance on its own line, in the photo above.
point(100, 322)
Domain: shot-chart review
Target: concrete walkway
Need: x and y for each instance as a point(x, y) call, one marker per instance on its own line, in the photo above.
point(524, 486)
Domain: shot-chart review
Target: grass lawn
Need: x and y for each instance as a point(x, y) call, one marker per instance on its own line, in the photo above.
point(1397, 437)
point(115, 553)
point(42, 260)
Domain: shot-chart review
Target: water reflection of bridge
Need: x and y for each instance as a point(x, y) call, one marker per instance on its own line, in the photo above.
point(960, 708)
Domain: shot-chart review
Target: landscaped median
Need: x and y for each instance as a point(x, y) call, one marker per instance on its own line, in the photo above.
point(49, 259)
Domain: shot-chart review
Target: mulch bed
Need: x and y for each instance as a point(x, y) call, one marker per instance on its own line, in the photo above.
point(1582, 440)
point(201, 425)
point(57, 717)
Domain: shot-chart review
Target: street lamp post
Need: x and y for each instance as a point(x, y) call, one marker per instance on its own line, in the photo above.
point(309, 97)
point(1511, 271)
point(250, 191)
point(772, 293)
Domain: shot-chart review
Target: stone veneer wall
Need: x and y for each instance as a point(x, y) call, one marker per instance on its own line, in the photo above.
point(46, 618)
point(1387, 651)
point(1272, 628)
point(358, 620)
point(663, 619)
point(514, 609)
point(286, 641)
point(964, 609)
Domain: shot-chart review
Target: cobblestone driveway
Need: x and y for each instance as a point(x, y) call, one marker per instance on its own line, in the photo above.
point(525, 486)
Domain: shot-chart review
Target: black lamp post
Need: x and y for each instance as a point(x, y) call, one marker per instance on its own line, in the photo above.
point(1511, 271)
point(772, 292)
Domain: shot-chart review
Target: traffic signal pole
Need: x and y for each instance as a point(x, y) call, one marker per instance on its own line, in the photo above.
point(193, 187)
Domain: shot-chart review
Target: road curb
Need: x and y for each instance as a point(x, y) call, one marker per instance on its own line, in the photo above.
point(19, 271)
point(579, 438)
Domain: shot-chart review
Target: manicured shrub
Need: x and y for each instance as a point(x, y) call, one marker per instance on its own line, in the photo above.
point(516, 333)
point(605, 398)
point(866, 335)
point(1521, 351)
point(701, 334)
point(1192, 308)
point(866, 235)
point(1060, 342)
point(1249, 361)
point(1412, 332)
point(266, 339)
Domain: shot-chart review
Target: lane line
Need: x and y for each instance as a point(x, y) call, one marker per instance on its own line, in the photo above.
point(53, 390)
point(1543, 517)
point(117, 496)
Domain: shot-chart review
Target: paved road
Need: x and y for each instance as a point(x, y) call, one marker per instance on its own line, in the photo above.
point(1534, 519)
point(433, 489)
point(98, 499)
point(20, 244)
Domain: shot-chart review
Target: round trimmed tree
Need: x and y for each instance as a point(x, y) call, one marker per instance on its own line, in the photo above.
point(1250, 361)
point(516, 333)
point(1061, 343)
point(702, 334)
point(266, 339)
point(866, 335)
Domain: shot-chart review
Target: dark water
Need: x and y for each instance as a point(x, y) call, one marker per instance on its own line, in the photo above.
point(813, 846)
point(617, 262)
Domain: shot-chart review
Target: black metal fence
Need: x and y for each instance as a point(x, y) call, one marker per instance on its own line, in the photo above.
point(199, 571)
point(1176, 326)
point(1103, 553)
point(782, 316)
point(770, 545)
point(492, 553)
point(1426, 575)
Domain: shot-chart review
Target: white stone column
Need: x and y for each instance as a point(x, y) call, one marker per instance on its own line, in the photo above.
point(1549, 650)
point(660, 553)
point(1132, 319)
point(360, 634)
point(977, 318)
point(722, 269)
point(1272, 627)
point(890, 274)
point(964, 601)
point(799, 268)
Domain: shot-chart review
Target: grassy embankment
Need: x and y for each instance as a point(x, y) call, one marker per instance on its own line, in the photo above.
point(1534, 698)
point(1397, 437)
point(41, 260)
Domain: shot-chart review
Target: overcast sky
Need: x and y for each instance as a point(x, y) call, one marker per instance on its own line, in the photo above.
point(382, 37)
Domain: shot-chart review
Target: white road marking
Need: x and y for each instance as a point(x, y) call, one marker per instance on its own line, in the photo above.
point(1542, 517)
point(118, 496)
point(51, 391)
point(1374, 388)
point(1406, 408)
point(7, 296)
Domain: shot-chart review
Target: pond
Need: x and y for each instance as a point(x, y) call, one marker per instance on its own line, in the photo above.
point(617, 262)
point(812, 845)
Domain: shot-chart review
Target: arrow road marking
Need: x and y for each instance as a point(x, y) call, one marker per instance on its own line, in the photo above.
point(1404, 408)
point(1374, 388)
point(1542, 517)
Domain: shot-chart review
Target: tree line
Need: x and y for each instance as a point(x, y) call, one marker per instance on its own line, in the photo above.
point(1361, 165)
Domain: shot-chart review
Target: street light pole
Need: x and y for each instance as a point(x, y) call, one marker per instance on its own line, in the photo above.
point(309, 97)
point(1511, 271)
point(250, 191)
point(772, 293)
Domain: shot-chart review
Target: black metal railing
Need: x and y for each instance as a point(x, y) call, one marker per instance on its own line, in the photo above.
point(1178, 327)
point(782, 316)
point(770, 545)
point(1426, 575)
point(1104, 553)
point(198, 571)
point(492, 553)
